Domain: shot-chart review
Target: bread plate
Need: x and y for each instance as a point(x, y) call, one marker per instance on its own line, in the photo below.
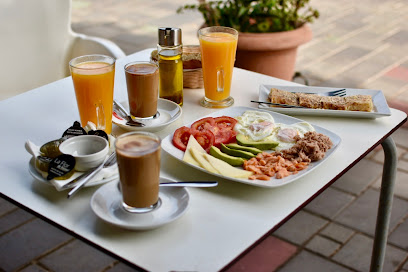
point(381, 108)
point(168, 147)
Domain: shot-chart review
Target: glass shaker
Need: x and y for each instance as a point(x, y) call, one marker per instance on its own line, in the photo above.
point(169, 51)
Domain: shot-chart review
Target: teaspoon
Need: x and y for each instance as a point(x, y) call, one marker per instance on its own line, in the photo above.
point(185, 184)
point(124, 112)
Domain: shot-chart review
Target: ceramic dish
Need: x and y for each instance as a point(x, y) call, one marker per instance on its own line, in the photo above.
point(381, 108)
point(106, 202)
point(168, 146)
point(169, 112)
point(39, 177)
point(89, 150)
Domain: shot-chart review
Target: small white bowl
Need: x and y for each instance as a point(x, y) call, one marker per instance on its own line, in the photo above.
point(89, 150)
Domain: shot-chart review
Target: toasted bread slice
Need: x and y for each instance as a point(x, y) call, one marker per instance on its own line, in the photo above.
point(310, 101)
point(283, 97)
point(334, 103)
point(359, 103)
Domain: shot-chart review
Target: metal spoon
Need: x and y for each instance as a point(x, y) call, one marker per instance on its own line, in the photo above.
point(185, 184)
point(124, 112)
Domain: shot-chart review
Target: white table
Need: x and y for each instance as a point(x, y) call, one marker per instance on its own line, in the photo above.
point(221, 223)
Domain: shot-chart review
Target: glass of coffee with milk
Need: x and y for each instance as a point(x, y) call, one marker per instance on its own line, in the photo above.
point(138, 157)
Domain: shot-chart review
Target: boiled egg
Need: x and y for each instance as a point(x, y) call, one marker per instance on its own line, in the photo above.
point(285, 134)
point(256, 124)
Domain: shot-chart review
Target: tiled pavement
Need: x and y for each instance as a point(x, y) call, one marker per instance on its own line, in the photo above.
point(360, 44)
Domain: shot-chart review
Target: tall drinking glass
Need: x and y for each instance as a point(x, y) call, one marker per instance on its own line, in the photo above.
point(138, 156)
point(218, 46)
point(93, 77)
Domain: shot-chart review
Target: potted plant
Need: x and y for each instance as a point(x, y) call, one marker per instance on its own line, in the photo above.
point(270, 31)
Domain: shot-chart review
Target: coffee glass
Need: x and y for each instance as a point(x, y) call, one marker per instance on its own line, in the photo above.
point(138, 158)
point(142, 81)
point(93, 77)
point(218, 47)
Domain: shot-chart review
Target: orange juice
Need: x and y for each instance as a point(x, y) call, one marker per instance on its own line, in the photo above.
point(217, 57)
point(93, 83)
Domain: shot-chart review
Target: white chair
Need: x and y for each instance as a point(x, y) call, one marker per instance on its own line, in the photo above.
point(37, 43)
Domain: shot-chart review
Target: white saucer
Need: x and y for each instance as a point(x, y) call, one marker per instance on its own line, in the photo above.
point(106, 202)
point(168, 110)
point(34, 173)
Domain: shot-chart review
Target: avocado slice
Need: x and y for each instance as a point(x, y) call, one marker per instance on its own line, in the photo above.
point(253, 150)
point(236, 152)
point(262, 145)
point(234, 161)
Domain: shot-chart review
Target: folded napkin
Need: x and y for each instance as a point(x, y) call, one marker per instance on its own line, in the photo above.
point(105, 173)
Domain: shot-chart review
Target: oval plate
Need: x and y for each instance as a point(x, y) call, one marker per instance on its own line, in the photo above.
point(169, 112)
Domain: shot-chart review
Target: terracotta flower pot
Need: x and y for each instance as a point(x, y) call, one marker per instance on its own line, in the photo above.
point(272, 54)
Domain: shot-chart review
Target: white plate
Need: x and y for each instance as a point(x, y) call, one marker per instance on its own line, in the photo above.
point(39, 177)
point(169, 112)
point(168, 146)
point(106, 202)
point(381, 108)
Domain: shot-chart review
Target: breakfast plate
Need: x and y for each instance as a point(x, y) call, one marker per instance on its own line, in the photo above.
point(106, 202)
point(168, 146)
point(381, 108)
point(35, 174)
point(168, 113)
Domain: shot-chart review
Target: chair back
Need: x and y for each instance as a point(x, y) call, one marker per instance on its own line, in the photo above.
point(35, 42)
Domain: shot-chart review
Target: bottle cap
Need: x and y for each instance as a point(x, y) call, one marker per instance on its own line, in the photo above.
point(169, 36)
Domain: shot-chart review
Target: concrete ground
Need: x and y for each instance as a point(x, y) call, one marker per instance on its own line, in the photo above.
point(360, 44)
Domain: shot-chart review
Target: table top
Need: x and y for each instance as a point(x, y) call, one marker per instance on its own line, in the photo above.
point(220, 223)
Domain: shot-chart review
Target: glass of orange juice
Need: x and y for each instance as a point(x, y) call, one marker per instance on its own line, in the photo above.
point(93, 77)
point(218, 45)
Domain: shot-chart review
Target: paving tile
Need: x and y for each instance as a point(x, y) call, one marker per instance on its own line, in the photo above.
point(29, 242)
point(348, 55)
point(389, 86)
point(300, 228)
point(307, 261)
point(267, 256)
point(355, 254)
point(400, 187)
point(366, 39)
point(6, 206)
point(402, 165)
point(329, 203)
point(33, 268)
point(121, 267)
point(379, 156)
point(76, 256)
point(361, 214)
point(358, 178)
point(399, 236)
point(401, 37)
point(323, 246)
point(400, 137)
point(337, 232)
point(14, 219)
point(399, 72)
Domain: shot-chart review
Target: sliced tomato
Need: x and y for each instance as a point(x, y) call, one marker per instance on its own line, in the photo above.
point(180, 138)
point(225, 136)
point(225, 122)
point(205, 138)
point(203, 124)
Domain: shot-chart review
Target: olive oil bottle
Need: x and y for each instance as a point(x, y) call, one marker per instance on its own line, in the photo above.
point(169, 51)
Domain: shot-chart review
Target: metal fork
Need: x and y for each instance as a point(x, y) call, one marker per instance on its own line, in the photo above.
point(341, 92)
point(109, 161)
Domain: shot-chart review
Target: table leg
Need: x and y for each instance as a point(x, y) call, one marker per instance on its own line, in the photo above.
point(384, 205)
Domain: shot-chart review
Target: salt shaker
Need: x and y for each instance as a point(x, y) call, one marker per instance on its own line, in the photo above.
point(169, 51)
